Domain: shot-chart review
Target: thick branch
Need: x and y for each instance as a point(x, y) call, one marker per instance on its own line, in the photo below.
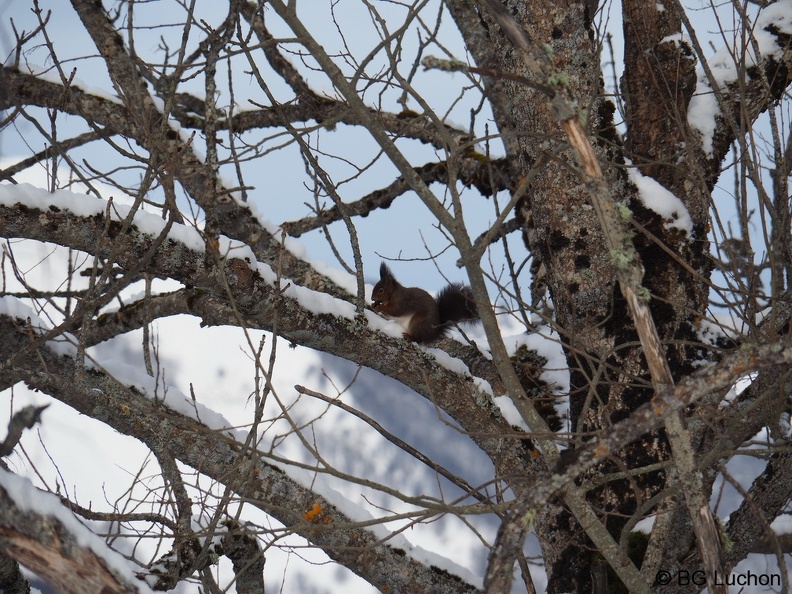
point(11, 579)
point(214, 453)
point(246, 557)
point(260, 305)
point(49, 548)
point(488, 177)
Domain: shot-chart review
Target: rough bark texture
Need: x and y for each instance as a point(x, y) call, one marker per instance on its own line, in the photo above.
point(220, 457)
point(45, 546)
point(658, 83)
point(11, 579)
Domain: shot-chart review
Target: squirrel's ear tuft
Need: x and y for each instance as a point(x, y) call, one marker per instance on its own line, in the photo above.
point(385, 271)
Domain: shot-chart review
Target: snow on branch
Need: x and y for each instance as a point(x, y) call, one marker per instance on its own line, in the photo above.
point(41, 534)
point(213, 453)
point(307, 317)
point(723, 72)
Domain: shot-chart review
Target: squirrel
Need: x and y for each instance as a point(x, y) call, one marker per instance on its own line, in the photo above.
point(424, 318)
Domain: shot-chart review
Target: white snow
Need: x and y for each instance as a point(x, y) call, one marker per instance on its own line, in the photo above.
point(657, 198)
point(85, 206)
point(556, 370)
point(703, 108)
point(510, 412)
point(782, 524)
point(16, 308)
point(30, 499)
point(150, 224)
point(676, 38)
point(158, 390)
point(53, 76)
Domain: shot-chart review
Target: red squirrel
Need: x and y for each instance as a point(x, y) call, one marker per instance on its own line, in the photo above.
point(424, 318)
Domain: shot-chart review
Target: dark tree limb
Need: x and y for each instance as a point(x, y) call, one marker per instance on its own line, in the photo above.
point(22, 419)
point(659, 79)
point(11, 579)
point(246, 556)
point(488, 177)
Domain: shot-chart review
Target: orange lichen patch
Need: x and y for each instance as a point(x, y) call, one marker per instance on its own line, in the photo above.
point(745, 365)
point(601, 450)
point(310, 515)
point(534, 453)
point(124, 408)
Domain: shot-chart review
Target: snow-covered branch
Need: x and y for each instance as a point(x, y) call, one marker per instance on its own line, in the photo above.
point(219, 454)
point(238, 288)
point(41, 534)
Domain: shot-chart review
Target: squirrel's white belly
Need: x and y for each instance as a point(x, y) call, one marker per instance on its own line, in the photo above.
point(403, 320)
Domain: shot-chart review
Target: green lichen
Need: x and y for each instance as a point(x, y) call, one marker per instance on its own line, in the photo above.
point(558, 79)
point(434, 63)
point(528, 519)
point(625, 214)
point(726, 542)
point(621, 259)
point(582, 114)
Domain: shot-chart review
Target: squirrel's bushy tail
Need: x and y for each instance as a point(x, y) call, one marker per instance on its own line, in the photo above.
point(455, 303)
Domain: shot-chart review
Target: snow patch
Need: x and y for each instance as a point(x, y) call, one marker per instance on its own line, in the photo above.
point(510, 412)
point(703, 109)
point(556, 370)
point(52, 75)
point(83, 205)
point(156, 389)
point(782, 524)
point(147, 223)
point(657, 198)
point(64, 344)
